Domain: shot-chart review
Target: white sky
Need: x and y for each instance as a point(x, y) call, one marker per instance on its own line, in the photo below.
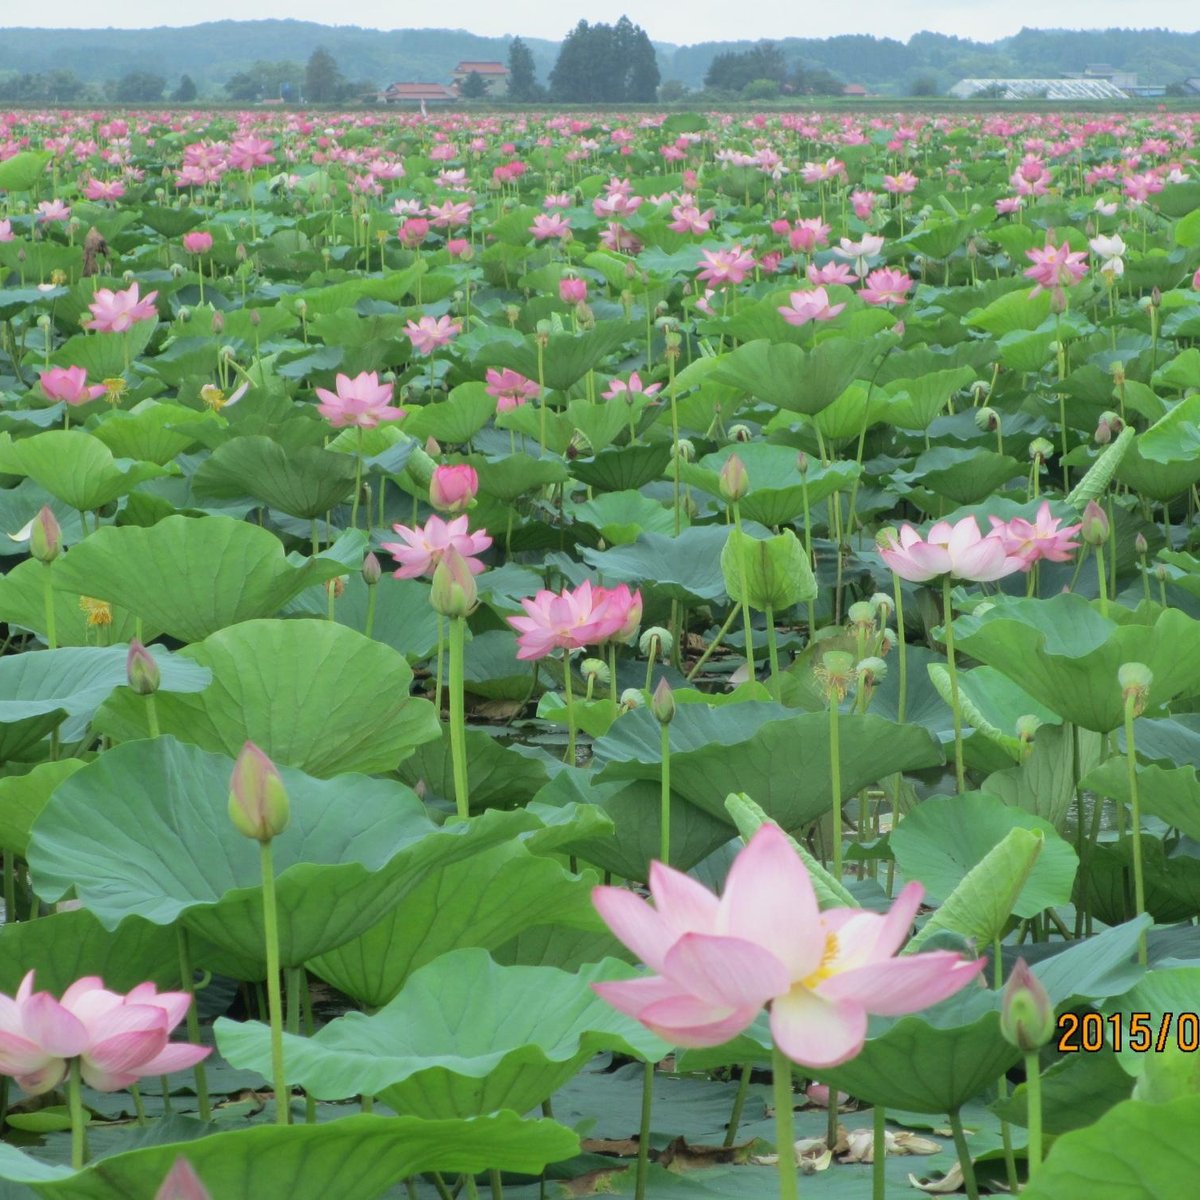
point(680, 21)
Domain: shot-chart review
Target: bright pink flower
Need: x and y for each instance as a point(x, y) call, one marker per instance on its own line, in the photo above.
point(689, 219)
point(1196, 280)
point(98, 189)
point(429, 333)
point(452, 488)
point(459, 248)
point(717, 962)
point(900, 185)
point(808, 234)
point(567, 620)
point(361, 401)
point(726, 266)
point(572, 290)
point(831, 272)
point(510, 388)
point(810, 306)
point(550, 225)
point(182, 1183)
point(959, 550)
point(248, 152)
point(886, 286)
point(863, 204)
point(117, 1039)
point(621, 602)
point(1041, 539)
point(413, 232)
point(423, 547)
point(198, 242)
point(1055, 267)
point(115, 312)
point(69, 384)
point(629, 389)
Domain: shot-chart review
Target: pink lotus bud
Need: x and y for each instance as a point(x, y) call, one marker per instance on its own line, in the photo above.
point(1094, 527)
point(1140, 545)
point(372, 572)
point(141, 670)
point(197, 242)
point(453, 593)
point(182, 1183)
point(1026, 1013)
point(453, 488)
point(662, 702)
point(258, 802)
point(45, 536)
point(734, 480)
point(572, 291)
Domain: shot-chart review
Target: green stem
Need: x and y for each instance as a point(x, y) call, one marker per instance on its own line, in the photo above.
point(78, 1128)
point(1135, 805)
point(570, 755)
point(948, 626)
point(664, 824)
point(274, 996)
point(372, 590)
point(152, 716)
point(358, 465)
point(1102, 580)
point(1033, 1094)
point(496, 1185)
point(808, 550)
point(901, 648)
point(749, 628)
point(964, 1155)
point(437, 685)
point(773, 653)
point(51, 630)
point(835, 779)
point(188, 979)
point(879, 1155)
point(458, 721)
point(739, 1104)
point(139, 1107)
point(785, 1124)
point(643, 1154)
point(653, 648)
point(729, 620)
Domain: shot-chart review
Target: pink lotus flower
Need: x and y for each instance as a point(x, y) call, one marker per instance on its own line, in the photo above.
point(765, 942)
point(726, 266)
point(182, 1183)
point(69, 384)
point(1041, 539)
point(831, 272)
point(863, 204)
point(566, 621)
point(52, 210)
point(198, 242)
point(510, 388)
point(868, 246)
point(1196, 280)
point(1010, 204)
point(886, 286)
point(361, 401)
point(629, 389)
point(6, 233)
point(248, 152)
point(459, 248)
point(1055, 267)
point(99, 189)
point(810, 306)
point(422, 548)
point(550, 225)
point(689, 219)
point(115, 312)
point(413, 232)
point(808, 234)
point(429, 333)
point(959, 550)
point(117, 1039)
point(900, 185)
point(623, 603)
point(452, 488)
point(572, 290)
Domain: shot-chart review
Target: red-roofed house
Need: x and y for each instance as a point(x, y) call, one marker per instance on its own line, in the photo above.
point(494, 74)
point(418, 93)
point(854, 89)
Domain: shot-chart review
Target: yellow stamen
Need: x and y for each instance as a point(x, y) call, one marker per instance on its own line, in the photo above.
point(115, 388)
point(825, 967)
point(99, 612)
point(213, 397)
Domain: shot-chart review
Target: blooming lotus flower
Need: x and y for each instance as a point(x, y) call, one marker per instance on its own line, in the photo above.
point(959, 550)
point(809, 306)
point(717, 962)
point(1055, 267)
point(886, 286)
point(550, 225)
point(69, 384)
point(510, 388)
point(361, 401)
point(630, 388)
point(900, 185)
point(623, 603)
point(863, 204)
point(429, 333)
point(1041, 539)
point(422, 547)
point(567, 620)
point(248, 152)
point(52, 210)
point(104, 189)
point(117, 1039)
point(808, 234)
point(1008, 204)
point(726, 266)
point(198, 242)
point(452, 488)
point(831, 272)
point(1109, 250)
point(115, 312)
point(868, 246)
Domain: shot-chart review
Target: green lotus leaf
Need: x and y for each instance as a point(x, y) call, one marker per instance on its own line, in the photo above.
point(1172, 795)
point(687, 567)
point(151, 431)
point(775, 570)
point(23, 603)
point(455, 422)
point(567, 357)
point(22, 798)
point(623, 468)
point(793, 379)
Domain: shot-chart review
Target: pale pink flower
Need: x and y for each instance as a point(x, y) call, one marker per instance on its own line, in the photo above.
point(1055, 267)
point(550, 225)
point(1196, 280)
point(810, 306)
point(1040, 539)
point(429, 333)
point(99, 189)
point(886, 286)
point(831, 272)
point(616, 237)
point(689, 219)
point(70, 385)
point(362, 401)
point(510, 388)
point(868, 246)
point(959, 550)
point(248, 152)
point(198, 242)
point(630, 388)
point(726, 266)
point(863, 204)
point(1008, 204)
point(182, 1183)
point(567, 620)
point(6, 233)
point(452, 488)
point(557, 200)
point(115, 312)
point(717, 962)
point(52, 210)
point(621, 602)
point(901, 184)
point(423, 546)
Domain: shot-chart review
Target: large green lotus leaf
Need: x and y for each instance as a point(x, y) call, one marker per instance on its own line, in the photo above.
point(687, 567)
point(1162, 995)
point(508, 478)
point(1136, 1151)
point(144, 831)
point(456, 421)
point(17, 736)
point(1160, 481)
point(21, 172)
point(484, 901)
point(497, 776)
point(23, 603)
point(782, 763)
point(18, 506)
point(619, 517)
point(1012, 311)
point(567, 357)
point(1066, 655)
point(1044, 783)
point(1172, 881)
point(964, 476)
point(1173, 795)
point(623, 468)
point(1174, 437)
point(793, 379)
point(73, 466)
point(66, 946)
point(944, 838)
point(916, 403)
point(76, 680)
point(22, 797)
point(311, 694)
point(190, 577)
point(149, 430)
point(775, 570)
point(304, 482)
point(308, 1162)
point(104, 355)
point(465, 1037)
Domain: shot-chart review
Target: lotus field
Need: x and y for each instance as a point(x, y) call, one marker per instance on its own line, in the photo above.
point(555, 655)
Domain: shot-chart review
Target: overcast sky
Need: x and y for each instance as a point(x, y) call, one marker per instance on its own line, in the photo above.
point(679, 21)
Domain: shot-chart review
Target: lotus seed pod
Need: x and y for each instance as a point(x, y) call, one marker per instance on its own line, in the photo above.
point(861, 614)
point(887, 641)
point(1040, 449)
point(685, 449)
point(740, 433)
point(1027, 727)
point(884, 605)
point(871, 671)
point(631, 698)
point(987, 419)
point(594, 669)
point(666, 642)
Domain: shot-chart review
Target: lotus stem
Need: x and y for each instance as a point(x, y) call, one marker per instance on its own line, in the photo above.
point(948, 626)
point(139, 1106)
point(1010, 1164)
point(964, 1155)
point(152, 716)
point(78, 1124)
point(569, 758)
point(879, 1152)
point(729, 620)
point(358, 466)
point(274, 996)
point(901, 648)
point(835, 780)
point(458, 723)
point(773, 653)
point(437, 684)
point(48, 590)
point(1033, 1094)
point(643, 1154)
point(739, 1104)
point(785, 1124)
point(369, 624)
point(808, 550)
point(749, 628)
point(188, 981)
point(1135, 806)
point(664, 824)
point(1102, 579)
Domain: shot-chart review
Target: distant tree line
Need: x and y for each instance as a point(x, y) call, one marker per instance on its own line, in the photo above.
point(63, 86)
point(764, 71)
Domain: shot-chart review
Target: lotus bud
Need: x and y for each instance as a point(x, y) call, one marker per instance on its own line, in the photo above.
point(734, 480)
point(1040, 449)
point(1135, 680)
point(861, 616)
point(255, 317)
point(1094, 526)
point(987, 419)
point(453, 593)
point(740, 433)
point(141, 670)
point(218, 323)
point(372, 572)
point(184, 315)
point(1140, 545)
point(1027, 727)
point(662, 702)
point(631, 698)
point(835, 673)
point(258, 801)
point(452, 489)
point(1160, 573)
point(802, 463)
point(43, 322)
point(182, 1183)
point(45, 536)
point(656, 633)
point(1155, 297)
point(512, 313)
point(594, 670)
point(1026, 1012)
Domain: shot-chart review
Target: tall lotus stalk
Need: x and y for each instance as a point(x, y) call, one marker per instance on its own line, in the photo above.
point(836, 674)
point(1136, 680)
point(45, 544)
point(1027, 1022)
point(144, 677)
point(735, 482)
point(1094, 531)
point(259, 808)
point(952, 668)
point(454, 596)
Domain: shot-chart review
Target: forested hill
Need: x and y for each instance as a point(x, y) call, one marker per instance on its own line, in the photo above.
point(213, 52)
